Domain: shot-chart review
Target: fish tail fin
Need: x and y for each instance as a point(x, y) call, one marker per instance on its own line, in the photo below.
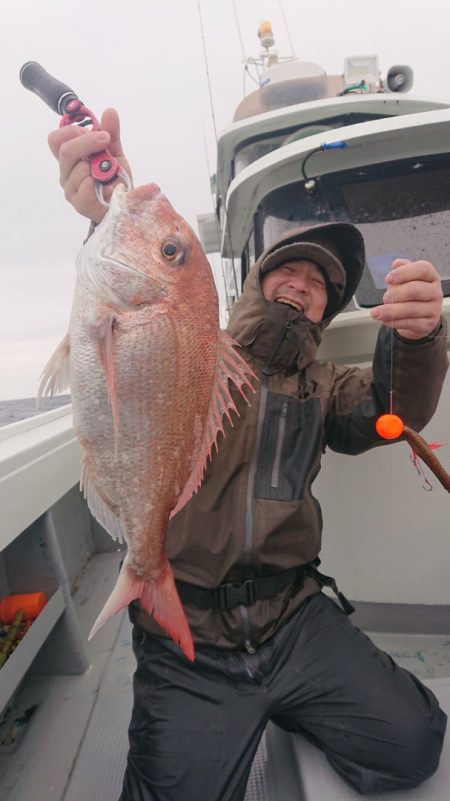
point(159, 598)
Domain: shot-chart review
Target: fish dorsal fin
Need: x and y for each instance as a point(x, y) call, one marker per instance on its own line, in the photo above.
point(230, 367)
point(56, 374)
point(99, 508)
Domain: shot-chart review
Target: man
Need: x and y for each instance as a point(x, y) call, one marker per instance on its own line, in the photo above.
point(269, 644)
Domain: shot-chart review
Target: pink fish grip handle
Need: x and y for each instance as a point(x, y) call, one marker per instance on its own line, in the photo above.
point(103, 165)
point(62, 99)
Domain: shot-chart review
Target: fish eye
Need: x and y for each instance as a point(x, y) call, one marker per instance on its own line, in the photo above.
point(170, 250)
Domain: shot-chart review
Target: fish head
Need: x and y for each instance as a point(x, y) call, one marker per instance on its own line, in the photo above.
point(147, 253)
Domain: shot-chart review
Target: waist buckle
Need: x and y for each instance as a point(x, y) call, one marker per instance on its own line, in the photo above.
point(228, 596)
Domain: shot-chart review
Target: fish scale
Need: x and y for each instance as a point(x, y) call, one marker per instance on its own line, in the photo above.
point(150, 371)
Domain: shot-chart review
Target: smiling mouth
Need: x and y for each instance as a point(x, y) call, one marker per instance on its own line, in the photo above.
point(294, 304)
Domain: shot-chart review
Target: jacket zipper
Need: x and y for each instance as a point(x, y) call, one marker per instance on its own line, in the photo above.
point(248, 536)
point(283, 334)
point(248, 539)
point(249, 647)
point(275, 480)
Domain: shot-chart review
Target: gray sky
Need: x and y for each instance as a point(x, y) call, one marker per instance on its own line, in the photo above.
point(145, 57)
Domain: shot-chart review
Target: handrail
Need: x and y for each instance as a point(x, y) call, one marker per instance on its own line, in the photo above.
point(39, 462)
point(36, 421)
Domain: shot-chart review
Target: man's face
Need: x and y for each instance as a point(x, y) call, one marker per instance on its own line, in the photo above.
point(299, 284)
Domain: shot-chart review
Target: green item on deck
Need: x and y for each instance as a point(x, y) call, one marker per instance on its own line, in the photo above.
point(8, 643)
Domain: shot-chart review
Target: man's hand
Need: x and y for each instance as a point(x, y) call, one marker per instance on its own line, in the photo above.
point(412, 303)
point(72, 146)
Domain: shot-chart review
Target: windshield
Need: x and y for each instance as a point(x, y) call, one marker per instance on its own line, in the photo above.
point(402, 216)
point(402, 210)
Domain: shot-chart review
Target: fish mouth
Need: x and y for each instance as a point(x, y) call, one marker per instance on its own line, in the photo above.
point(132, 198)
point(144, 193)
point(292, 302)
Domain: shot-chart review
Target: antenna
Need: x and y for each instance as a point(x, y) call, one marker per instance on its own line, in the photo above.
point(205, 57)
point(239, 30)
point(287, 28)
point(213, 117)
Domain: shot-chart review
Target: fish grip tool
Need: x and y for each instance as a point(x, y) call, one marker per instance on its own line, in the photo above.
point(64, 101)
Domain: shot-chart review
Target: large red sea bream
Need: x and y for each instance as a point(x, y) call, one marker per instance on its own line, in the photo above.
point(149, 369)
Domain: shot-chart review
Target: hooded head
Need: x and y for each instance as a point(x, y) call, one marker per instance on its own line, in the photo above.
point(256, 322)
point(337, 249)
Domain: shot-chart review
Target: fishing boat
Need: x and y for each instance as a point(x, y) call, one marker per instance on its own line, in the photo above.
point(304, 147)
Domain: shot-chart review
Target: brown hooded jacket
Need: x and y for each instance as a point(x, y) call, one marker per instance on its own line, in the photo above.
point(255, 514)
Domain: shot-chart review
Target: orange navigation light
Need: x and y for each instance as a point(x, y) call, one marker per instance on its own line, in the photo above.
point(389, 426)
point(265, 33)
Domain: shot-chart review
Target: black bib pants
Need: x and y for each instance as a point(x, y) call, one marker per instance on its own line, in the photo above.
point(195, 728)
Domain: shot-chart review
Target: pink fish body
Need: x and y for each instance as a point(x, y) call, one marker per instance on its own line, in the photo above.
point(149, 370)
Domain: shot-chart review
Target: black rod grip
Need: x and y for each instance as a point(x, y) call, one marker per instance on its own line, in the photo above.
point(53, 92)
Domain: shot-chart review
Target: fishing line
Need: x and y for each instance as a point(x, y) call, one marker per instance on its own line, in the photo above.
point(391, 362)
point(391, 371)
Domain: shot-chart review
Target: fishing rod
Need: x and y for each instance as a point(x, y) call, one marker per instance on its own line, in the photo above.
point(65, 102)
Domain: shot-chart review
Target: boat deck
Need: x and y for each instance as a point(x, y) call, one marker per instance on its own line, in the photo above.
point(73, 747)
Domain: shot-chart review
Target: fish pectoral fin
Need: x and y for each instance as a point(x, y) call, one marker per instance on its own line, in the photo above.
point(102, 330)
point(158, 597)
point(230, 367)
point(56, 374)
point(99, 508)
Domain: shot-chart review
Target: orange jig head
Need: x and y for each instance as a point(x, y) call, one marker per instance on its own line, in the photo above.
point(389, 426)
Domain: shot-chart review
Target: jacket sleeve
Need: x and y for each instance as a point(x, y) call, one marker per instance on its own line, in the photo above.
point(415, 368)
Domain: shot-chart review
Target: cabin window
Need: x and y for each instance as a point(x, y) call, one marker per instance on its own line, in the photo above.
point(401, 208)
point(256, 147)
point(255, 150)
point(402, 216)
point(285, 209)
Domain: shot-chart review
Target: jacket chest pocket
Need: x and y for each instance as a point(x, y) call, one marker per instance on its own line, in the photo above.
point(290, 441)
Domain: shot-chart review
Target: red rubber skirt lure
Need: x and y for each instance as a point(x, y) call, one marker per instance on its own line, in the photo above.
point(390, 426)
